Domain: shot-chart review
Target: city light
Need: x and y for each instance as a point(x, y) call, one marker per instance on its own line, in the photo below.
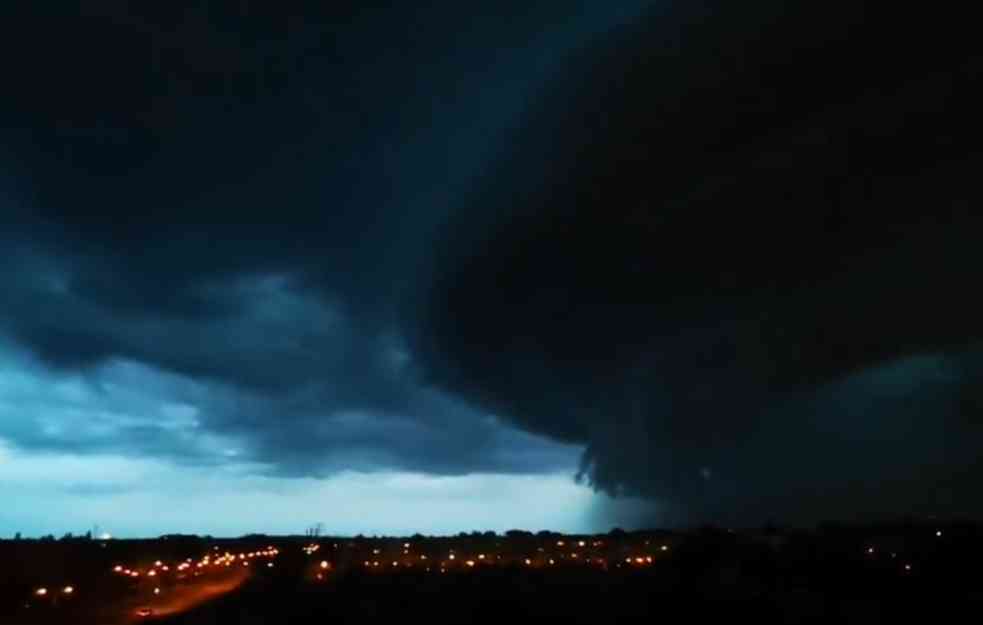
point(212, 564)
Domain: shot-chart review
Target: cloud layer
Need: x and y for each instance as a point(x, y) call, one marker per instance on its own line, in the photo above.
point(719, 257)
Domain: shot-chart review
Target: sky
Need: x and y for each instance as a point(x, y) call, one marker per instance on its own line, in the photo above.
point(439, 267)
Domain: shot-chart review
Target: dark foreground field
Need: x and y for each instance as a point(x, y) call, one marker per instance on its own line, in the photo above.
point(870, 575)
point(590, 597)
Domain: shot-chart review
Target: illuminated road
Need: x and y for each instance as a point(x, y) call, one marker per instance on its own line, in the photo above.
point(149, 591)
point(182, 599)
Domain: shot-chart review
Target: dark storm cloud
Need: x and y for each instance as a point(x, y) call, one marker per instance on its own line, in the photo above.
point(734, 252)
point(227, 212)
point(731, 250)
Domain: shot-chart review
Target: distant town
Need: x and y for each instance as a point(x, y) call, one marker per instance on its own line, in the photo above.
point(187, 578)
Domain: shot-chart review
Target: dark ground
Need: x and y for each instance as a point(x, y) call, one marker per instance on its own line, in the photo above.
point(835, 574)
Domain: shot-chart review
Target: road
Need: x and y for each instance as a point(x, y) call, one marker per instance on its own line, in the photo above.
point(183, 598)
